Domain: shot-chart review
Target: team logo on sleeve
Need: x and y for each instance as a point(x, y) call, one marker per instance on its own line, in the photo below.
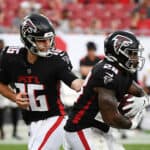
point(120, 41)
point(108, 78)
point(28, 27)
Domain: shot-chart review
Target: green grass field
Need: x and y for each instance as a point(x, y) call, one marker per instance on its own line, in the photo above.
point(137, 147)
point(13, 147)
point(24, 147)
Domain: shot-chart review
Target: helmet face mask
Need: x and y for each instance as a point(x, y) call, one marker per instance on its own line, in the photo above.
point(35, 28)
point(134, 61)
point(38, 49)
point(124, 48)
point(49, 39)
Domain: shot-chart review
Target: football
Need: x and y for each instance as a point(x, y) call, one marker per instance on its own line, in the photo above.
point(123, 103)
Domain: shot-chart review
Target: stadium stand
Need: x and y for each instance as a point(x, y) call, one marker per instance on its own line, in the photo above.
point(108, 15)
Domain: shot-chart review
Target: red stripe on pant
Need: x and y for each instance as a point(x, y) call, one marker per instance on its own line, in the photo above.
point(83, 140)
point(50, 131)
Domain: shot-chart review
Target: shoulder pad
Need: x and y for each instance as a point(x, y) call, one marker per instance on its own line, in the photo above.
point(110, 68)
point(106, 72)
point(110, 73)
point(11, 50)
point(57, 52)
point(64, 56)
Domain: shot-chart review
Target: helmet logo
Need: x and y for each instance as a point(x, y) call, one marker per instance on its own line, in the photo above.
point(48, 34)
point(28, 27)
point(119, 41)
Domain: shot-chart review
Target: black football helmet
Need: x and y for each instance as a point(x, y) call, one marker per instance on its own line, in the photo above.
point(37, 27)
point(125, 49)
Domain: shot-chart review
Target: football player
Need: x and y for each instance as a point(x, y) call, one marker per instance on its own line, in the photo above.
point(36, 70)
point(104, 87)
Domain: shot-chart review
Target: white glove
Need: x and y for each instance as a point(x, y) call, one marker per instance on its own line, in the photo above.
point(136, 119)
point(137, 104)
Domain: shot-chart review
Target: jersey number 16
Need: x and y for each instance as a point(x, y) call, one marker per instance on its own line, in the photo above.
point(37, 103)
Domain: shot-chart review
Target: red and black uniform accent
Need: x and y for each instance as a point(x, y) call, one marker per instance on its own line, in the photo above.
point(40, 80)
point(104, 74)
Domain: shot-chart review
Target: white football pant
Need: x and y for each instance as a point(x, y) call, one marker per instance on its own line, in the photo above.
point(90, 139)
point(46, 134)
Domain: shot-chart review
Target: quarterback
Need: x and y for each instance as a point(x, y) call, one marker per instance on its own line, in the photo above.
point(36, 70)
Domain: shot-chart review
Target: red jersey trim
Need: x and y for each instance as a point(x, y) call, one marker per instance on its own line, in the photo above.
point(61, 107)
point(59, 103)
point(81, 113)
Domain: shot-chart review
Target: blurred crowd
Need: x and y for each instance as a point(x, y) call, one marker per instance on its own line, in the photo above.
point(79, 16)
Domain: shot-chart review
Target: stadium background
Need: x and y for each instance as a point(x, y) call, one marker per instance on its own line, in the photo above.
point(77, 22)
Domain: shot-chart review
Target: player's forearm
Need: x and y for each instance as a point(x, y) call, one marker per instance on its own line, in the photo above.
point(136, 90)
point(108, 107)
point(7, 92)
point(119, 121)
point(140, 92)
point(113, 117)
point(77, 84)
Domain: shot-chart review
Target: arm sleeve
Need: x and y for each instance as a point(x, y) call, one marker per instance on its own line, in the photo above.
point(104, 78)
point(68, 77)
point(4, 73)
point(64, 56)
point(64, 71)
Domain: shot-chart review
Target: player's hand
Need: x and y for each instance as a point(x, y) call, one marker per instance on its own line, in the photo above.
point(22, 100)
point(136, 119)
point(136, 104)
